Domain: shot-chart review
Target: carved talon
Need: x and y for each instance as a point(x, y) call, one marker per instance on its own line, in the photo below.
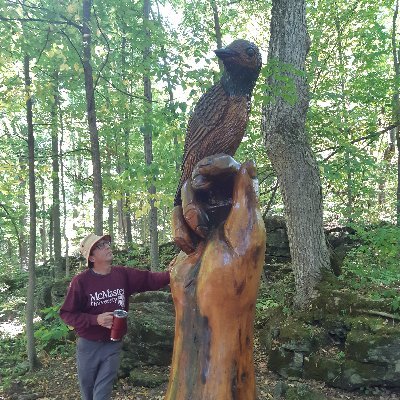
point(181, 231)
point(193, 213)
point(196, 219)
point(199, 182)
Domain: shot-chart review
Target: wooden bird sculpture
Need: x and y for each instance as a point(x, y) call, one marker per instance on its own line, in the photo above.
point(218, 122)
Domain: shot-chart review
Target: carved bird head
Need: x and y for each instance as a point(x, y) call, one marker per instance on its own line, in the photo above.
point(242, 62)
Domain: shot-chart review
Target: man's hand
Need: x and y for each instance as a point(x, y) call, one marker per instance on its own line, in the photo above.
point(105, 319)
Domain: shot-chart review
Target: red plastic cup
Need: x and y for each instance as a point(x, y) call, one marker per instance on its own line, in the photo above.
point(119, 325)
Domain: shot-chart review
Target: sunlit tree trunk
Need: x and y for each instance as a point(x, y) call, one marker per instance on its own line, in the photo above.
point(396, 104)
point(23, 256)
point(110, 220)
point(126, 211)
point(288, 148)
point(217, 30)
point(55, 178)
point(343, 107)
point(91, 117)
point(148, 140)
point(171, 106)
point(31, 350)
point(64, 227)
point(42, 229)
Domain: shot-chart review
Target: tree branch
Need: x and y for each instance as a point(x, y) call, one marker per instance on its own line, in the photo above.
point(372, 135)
point(108, 49)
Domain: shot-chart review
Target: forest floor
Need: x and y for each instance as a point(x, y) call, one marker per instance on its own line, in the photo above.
point(57, 380)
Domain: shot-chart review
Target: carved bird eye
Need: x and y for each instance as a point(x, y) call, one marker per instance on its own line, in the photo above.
point(250, 52)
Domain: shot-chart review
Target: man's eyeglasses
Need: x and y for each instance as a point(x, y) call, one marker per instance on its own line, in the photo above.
point(102, 244)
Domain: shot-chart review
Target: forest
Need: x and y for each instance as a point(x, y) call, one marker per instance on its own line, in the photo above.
point(95, 98)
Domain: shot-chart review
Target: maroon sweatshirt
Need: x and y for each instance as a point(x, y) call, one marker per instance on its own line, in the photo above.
point(90, 294)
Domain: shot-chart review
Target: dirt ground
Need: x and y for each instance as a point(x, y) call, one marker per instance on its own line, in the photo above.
point(57, 380)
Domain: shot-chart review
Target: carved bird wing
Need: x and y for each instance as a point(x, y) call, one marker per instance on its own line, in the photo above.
point(207, 115)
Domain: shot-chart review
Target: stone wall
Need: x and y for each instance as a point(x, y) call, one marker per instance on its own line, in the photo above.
point(345, 340)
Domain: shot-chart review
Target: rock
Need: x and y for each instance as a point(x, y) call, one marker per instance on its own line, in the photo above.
point(277, 239)
point(44, 299)
point(138, 377)
point(340, 241)
point(301, 338)
point(303, 392)
point(322, 368)
point(280, 390)
point(158, 296)
point(150, 336)
point(374, 348)
point(59, 290)
point(332, 342)
point(356, 375)
point(284, 363)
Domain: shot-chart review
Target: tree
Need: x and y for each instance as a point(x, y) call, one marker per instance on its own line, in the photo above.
point(288, 149)
point(56, 211)
point(32, 357)
point(396, 104)
point(148, 141)
point(91, 117)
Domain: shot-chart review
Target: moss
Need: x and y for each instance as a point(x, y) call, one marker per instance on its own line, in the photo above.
point(371, 324)
point(301, 337)
point(374, 348)
point(322, 368)
point(303, 392)
point(356, 375)
point(284, 363)
point(138, 377)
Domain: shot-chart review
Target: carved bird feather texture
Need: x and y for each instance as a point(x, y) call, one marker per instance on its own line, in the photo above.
point(220, 117)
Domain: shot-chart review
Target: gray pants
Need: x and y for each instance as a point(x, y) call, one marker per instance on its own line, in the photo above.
point(98, 364)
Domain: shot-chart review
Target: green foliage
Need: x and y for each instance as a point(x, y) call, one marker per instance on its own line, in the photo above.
point(13, 359)
point(12, 280)
point(52, 333)
point(276, 293)
point(138, 256)
point(376, 260)
point(374, 267)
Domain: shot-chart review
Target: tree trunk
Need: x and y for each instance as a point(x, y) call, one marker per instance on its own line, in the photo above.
point(56, 212)
point(148, 141)
point(215, 292)
point(289, 151)
point(217, 30)
point(127, 214)
point(91, 117)
point(64, 228)
point(23, 222)
point(345, 128)
point(42, 229)
point(111, 219)
point(31, 350)
point(171, 107)
point(398, 177)
point(396, 104)
point(121, 218)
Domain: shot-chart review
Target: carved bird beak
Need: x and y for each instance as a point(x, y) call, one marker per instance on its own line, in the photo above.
point(225, 53)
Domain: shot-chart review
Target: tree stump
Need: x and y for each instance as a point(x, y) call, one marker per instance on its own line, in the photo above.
point(214, 291)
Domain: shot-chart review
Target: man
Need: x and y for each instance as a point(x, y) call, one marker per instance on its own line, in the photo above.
point(92, 297)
